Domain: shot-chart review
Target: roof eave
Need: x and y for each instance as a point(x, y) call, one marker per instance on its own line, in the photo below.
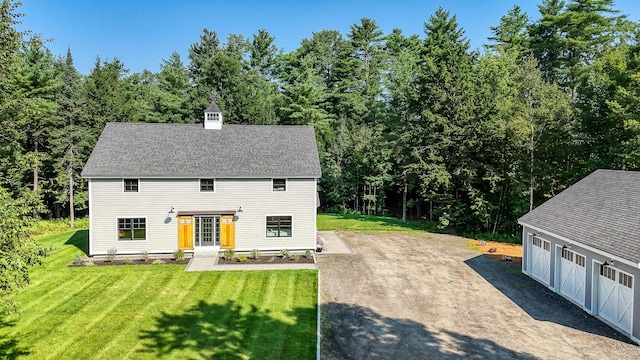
point(590, 248)
point(141, 176)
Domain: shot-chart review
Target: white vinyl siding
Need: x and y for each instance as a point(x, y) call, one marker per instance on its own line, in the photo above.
point(255, 196)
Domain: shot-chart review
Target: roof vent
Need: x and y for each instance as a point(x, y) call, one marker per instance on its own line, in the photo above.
point(213, 117)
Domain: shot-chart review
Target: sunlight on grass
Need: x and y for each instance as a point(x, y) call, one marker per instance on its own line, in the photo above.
point(148, 312)
point(343, 222)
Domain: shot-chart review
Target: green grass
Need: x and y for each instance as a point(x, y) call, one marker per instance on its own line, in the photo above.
point(148, 312)
point(372, 223)
point(503, 238)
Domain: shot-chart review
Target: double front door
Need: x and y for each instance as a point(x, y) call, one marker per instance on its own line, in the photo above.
point(205, 230)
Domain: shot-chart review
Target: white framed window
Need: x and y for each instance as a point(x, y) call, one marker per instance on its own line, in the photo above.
point(131, 229)
point(279, 226)
point(207, 185)
point(626, 280)
point(279, 184)
point(130, 185)
point(580, 260)
point(608, 272)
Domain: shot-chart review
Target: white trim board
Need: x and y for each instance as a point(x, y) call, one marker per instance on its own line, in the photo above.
point(587, 247)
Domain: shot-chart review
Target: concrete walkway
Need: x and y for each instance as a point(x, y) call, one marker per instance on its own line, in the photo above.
point(333, 244)
point(210, 263)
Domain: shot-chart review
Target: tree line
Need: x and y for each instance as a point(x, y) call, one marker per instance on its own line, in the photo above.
point(415, 125)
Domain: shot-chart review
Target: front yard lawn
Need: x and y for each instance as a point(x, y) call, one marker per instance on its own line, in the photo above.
point(159, 311)
point(357, 222)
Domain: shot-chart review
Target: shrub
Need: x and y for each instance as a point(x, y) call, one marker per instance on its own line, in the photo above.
point(273, 258)
point(307, 253)
point(52, 226)
point(89, 263)
point(284, 253)
point(178, 255)
point(255, 254)
point(229, 254)
point(128, 261)
point(242, 257)
point(111, 254)
point(144, 255)
point(77, 260)
point(296, 257)
point(158, 262)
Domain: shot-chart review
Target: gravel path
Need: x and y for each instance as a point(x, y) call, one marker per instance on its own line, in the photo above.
point(429, 297)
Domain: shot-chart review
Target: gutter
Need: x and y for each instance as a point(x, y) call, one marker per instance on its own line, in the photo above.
point(587, 247)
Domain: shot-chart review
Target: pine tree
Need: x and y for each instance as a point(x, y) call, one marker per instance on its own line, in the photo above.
point(511, 33)
point(71, 143)
point(445, 113)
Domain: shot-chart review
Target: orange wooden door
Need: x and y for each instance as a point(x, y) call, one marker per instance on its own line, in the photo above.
point(227, 232)
point(185, 232)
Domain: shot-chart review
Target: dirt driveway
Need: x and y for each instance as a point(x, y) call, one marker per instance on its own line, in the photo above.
point(401, 296)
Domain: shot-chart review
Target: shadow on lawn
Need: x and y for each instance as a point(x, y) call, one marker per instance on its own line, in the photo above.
point(355, 332)
point(536, 300)
point(228, 331)
point(80, 239)
point(9, 348)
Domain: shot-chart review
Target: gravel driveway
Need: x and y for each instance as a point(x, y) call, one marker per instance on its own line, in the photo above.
point(429, 297)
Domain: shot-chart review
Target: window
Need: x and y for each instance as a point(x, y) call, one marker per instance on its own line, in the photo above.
point(537, 242)
point(567, 254)
point(541, 243)
point(213, 117)
point(132, 229)
point(207, 185)
point(130, 185)
point(580, 260)
point(608, 272)
point(279, 184)
point(626, 280)
point(279, 226)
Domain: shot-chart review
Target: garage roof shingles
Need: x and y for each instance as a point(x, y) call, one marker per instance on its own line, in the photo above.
point(602, 211)
point(190, 151)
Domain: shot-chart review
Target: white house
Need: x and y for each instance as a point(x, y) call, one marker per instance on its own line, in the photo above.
point(584, 244)
point(162, 187)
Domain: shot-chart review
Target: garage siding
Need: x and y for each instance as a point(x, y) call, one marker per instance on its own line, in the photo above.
point(588, 285)
point(636, 309)
point(156, 197)
point(525, 248)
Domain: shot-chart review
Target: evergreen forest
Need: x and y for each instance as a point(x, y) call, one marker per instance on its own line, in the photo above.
point(407, 125)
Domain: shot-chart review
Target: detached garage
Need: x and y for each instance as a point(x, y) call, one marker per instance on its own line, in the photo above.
point(584, 244)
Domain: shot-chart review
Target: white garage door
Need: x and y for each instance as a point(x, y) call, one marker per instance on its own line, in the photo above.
point(540, 259)
point(572, 275)
point(615, 297)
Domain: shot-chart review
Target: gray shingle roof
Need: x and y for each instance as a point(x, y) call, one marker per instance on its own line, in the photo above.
point(602, 211)
point(213, 107)
point(188, 150)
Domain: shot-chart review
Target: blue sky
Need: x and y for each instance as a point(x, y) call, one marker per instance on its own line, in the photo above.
point(143, 32)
